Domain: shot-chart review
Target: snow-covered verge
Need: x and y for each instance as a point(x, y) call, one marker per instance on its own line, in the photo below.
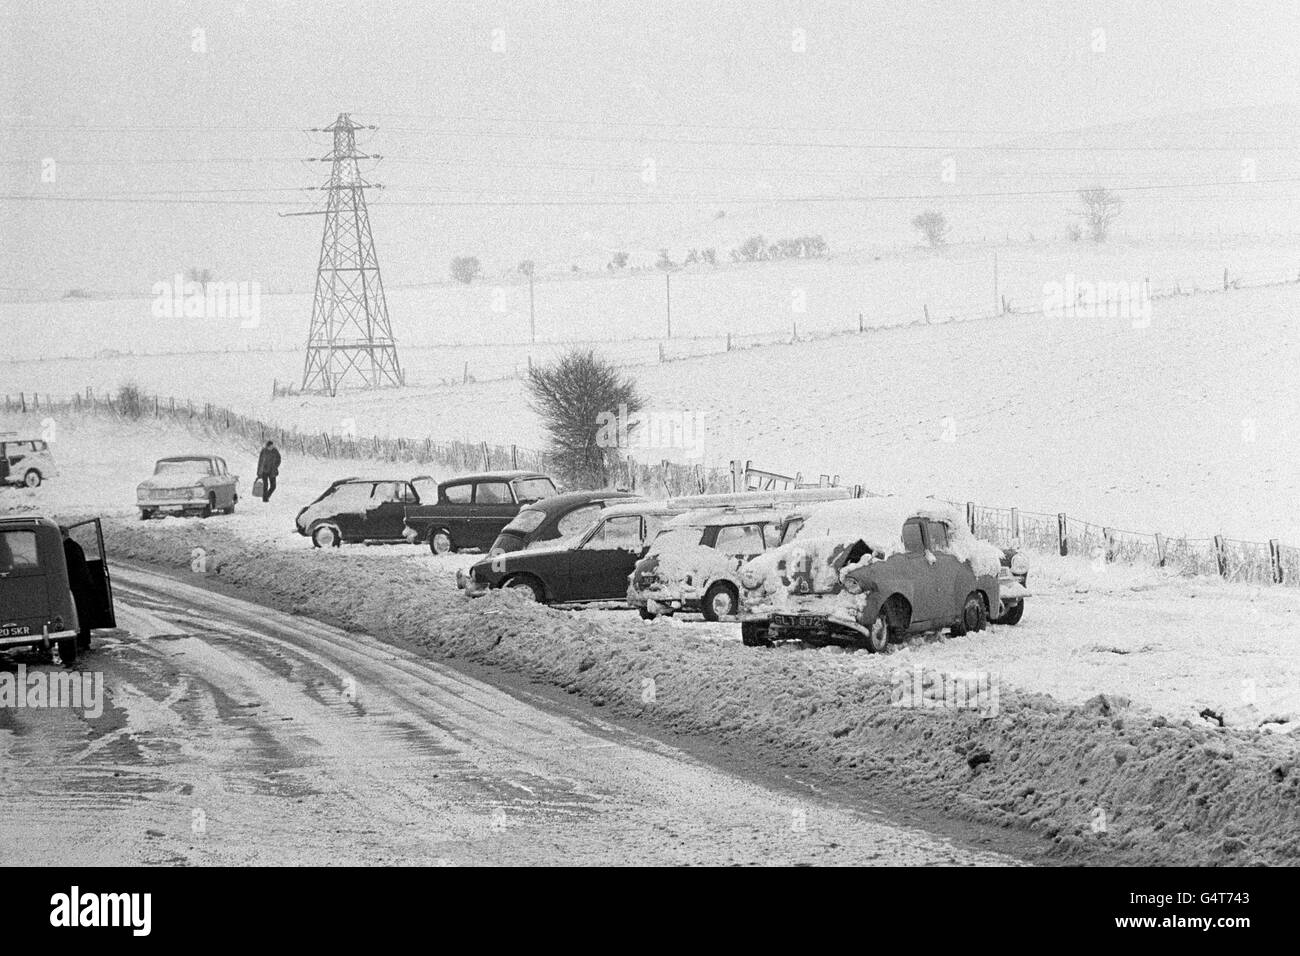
point(1101, 780)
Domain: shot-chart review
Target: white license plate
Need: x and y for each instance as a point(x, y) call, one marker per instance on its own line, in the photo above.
point(15, 630)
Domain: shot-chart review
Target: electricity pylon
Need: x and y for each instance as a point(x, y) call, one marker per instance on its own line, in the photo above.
point(351, 341)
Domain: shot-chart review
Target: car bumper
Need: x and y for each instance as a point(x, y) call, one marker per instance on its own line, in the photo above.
point(467, 583)
point(659, 600)
point(172, 504)
point(1012, 591)
point(42, 638)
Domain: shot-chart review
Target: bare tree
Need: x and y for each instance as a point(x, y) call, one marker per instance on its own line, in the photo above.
point(933, 226)
point(199, 275)
point(1101, 207)
point(585, 404)
point(465, 269)
point(527, 267)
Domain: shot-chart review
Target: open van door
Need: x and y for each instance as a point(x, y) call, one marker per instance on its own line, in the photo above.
point(103, 616)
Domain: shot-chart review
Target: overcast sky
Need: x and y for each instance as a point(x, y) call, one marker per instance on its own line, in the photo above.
point(443, 80)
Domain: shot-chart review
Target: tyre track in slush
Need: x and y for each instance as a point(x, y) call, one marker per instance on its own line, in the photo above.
point(237, 734)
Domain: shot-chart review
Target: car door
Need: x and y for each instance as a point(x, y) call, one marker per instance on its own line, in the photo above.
point(4, 463)
point(920, 568)
point(455, 511)
point(599, 567)
point(24, 591)
point(90, 535)
point(952, 579)
point(386, 514)
point(494, 506)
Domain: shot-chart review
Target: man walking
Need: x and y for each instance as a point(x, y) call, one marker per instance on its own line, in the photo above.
point(268, 466)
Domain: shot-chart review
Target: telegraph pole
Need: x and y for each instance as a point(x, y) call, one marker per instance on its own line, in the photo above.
point(668, 300)
point(351, 340)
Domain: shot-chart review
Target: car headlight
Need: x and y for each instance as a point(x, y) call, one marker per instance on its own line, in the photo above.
point(852, 585)
point(750, 578)
point(1019, 564)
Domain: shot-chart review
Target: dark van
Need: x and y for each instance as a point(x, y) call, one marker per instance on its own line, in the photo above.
point(36, 603)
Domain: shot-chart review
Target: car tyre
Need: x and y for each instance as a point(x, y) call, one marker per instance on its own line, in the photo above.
point(440, 542)
point(528, 585)
point(753, 634)
point(326, 536)
point(234, 500)
point(720, 600)
point(210, 508)
point(974, 615)
point(32, 479)
point(146, 514)
point(880, 633)
point(1012, 613)
point(646, 614)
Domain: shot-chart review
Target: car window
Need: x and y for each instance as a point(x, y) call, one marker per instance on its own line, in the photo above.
point(579, 519)
point(458, 494)
point(938, 535)
point(407, 492)
point(740, 539)
point(533, 489)
point(17, 550)
point(791, 529)
point(622, 532)
point(493, 493)
point(188, 466)
point(388, 491)
point(912, 542)
point(350, 497)
point(426, 488)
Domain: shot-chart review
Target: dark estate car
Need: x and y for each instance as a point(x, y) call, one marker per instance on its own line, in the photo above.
point(594, 567)
point(37, 608)
point(468, 512)
point(559, 516)
point(360, 509)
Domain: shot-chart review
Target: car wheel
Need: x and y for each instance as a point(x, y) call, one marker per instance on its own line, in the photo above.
point(440, 543)
point(1012, 613)
point(753, 634)
point(234, 500)
point(209, 508)
point(527, 585)
point(974, 615)
point(880, 633)
point(146, 514)
point(67, 651)
point(646, 614)
point(32, 479)
point(720, 600)
point(83, 642)
point(326, 536)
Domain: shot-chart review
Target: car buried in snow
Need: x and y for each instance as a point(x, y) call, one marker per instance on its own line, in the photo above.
point(188, 484)
point(866, 572)
point(25, 460)
point(467, 513)
point(556, 516)
point(694, 564)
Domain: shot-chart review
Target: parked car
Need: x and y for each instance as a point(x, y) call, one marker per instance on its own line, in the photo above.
point(468, 512)
point(868, 571)
point(591, 567)
point(360, 509)
point(694, 564)
point(188, 484)
point(557, 516)
point(1015, 567)
point(36, 603)
point(24, 460)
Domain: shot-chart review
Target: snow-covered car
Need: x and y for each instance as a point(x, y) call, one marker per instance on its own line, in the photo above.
point(866, 572)
point(188, 484)
point(361, 509)
point(25, 460)
point(1015, 567)
point(694, 564)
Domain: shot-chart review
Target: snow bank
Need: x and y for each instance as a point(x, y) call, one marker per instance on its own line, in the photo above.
point(1100, 781)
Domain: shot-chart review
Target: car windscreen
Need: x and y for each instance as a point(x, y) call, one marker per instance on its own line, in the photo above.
point(527, 520)
point(186, 466)
point(533, 489)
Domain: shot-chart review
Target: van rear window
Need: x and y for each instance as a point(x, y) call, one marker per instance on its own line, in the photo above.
point(17, 550)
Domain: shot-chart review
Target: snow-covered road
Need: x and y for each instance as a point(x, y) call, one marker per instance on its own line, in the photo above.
point(234, 734)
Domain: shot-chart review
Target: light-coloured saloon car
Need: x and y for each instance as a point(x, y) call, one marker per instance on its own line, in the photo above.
point(188, 484)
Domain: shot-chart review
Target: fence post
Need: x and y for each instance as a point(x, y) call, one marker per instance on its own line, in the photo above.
point(1015, 523)
point(728, 341)
point(970, 516)
point(861, 326)
point(661, 353)
point(514, 457)
point(1109, 536)
point(1060, 533)
point(465, 378)
point(1275, 560)
point(1221, 554)
point(927, 313)
point(1161, 545)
